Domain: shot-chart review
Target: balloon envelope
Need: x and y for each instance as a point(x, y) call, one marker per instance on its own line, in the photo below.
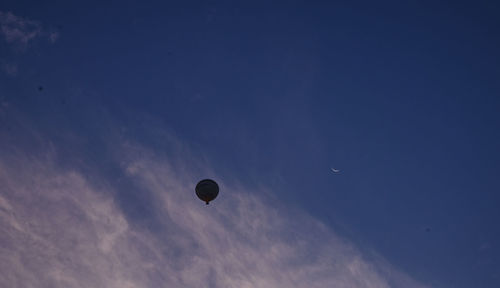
point(207, 190)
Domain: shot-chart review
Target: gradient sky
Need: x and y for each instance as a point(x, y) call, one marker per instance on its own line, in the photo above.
point(111, 112)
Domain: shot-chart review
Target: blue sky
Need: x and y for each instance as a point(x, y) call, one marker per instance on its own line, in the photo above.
point(139, 101)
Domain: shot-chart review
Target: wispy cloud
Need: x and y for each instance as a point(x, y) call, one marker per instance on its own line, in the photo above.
point(20, 31)
point(53, 36)
point(62, 228)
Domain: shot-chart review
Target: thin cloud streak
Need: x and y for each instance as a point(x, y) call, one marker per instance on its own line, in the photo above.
point(20, 31)
point(17, 29)
point(60, 228)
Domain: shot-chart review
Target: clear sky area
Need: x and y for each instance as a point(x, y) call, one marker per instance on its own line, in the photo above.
point(355, 144)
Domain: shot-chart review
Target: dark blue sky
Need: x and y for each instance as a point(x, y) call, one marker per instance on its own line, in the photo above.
point(402, 96)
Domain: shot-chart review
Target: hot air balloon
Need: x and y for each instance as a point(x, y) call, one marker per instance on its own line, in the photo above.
point(207, 190)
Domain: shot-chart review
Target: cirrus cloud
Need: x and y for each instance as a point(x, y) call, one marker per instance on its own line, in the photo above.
point(20, 31)
point(63, 228)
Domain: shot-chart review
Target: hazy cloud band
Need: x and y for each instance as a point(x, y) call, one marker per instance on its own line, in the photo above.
point(60, 228)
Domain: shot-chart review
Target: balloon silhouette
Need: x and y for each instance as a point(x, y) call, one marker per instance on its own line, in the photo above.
point(207, 190)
